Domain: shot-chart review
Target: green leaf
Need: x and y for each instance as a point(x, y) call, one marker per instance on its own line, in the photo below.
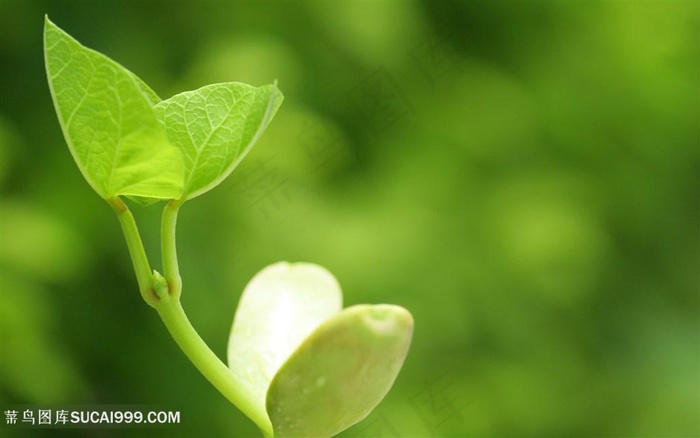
point(280, 307)
point(148, 93)
point(215, 127)
point(341, 372)
point(107, 117)
point(143, 201)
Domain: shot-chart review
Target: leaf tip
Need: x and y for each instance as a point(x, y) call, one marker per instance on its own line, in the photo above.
point(388, 318)
point(48, 24)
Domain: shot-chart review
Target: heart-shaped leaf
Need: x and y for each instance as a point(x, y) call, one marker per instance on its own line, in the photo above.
point(107, 118)
point(341, 372)
point(279, 308)
point(215, 127)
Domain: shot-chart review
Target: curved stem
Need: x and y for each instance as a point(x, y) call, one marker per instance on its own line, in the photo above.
point(184, 334)
point(138, 254)
point(218, 374)
point(163, 294)
point(171, 269)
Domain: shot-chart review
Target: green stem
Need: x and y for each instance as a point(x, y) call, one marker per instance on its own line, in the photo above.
point(138, 254)
point(163, 294)
point(171, 270)
point(184, 334)
point(218, 374)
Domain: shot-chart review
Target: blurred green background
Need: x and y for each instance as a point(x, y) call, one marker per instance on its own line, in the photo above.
point(523, 176)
